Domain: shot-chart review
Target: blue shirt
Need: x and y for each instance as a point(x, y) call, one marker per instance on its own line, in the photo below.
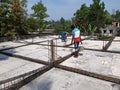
point(76, 32)
point(63, 34)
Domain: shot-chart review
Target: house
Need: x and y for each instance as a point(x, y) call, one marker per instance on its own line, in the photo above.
point(107, 31)
point(115, 23)
point(110, 29)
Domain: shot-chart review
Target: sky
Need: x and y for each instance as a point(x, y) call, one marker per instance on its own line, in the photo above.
point(66, 8)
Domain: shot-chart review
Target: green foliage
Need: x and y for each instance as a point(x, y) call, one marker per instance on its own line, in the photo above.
point(32, 24)
point(102, 37)
point(61, 25)
point(81, 17)
point(12, 17)
point(97, 13)
point(108, 18)
point(94, 15)
point(19, 16)
point(40, 14)
point(116, 16)
point(90, 30)
point(4, 12)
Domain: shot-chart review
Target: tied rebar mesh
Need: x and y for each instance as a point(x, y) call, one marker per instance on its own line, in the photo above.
point(6, 84)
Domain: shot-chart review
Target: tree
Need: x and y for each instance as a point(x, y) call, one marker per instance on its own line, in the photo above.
point(40, 14)
point(94, 16)
point(81, 17)
point(31, 24)
point(4, 18)
point(108, 17)
point(116, 16)
point(24, 16)
point(97, 13)
point(18, 15)
point(12, 17)
point(60, 25)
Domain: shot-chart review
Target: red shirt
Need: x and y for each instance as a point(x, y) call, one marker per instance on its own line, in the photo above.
point(77, 39)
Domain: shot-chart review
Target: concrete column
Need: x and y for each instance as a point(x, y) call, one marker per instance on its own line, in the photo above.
point(52, 51)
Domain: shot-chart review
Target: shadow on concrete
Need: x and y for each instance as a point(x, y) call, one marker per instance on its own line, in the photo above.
point(44, 84)
point(4, 56)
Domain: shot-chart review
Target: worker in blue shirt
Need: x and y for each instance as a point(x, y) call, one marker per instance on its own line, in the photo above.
point(64, 36)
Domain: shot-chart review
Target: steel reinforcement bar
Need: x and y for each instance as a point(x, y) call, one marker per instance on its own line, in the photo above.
point(6, 84)
point(25, 58)
point(32, 77)
point(15, 83)
point(56, 63)
point(110, 41)
point(10, 38)
point(109, 51)
point(22, 45)
point(40, 44)
point(66, 46)
point(23, 82)
point(109, 78)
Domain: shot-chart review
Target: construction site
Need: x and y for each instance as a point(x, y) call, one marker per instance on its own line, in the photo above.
point(46, 63)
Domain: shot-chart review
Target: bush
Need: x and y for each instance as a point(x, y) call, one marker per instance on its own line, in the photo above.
point(101, 37)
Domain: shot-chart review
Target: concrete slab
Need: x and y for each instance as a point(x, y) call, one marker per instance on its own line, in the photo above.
point(10, 67)
point(93, 61)
point(57, 79)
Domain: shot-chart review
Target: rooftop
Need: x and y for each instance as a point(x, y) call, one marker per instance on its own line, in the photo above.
point(16, 59)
